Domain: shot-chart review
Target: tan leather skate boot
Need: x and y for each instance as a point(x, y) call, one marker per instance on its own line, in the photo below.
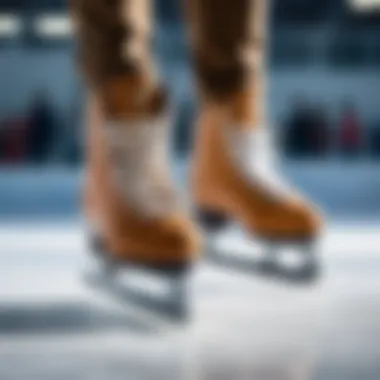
point(233, 177)
point(129, 197)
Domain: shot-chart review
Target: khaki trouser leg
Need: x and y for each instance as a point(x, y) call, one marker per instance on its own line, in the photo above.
point(228, 39)
point(114, 47)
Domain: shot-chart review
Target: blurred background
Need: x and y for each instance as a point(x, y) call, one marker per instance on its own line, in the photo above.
point(324, 105)
point(324, 63)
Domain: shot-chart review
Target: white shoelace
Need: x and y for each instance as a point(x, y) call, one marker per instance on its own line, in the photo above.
point(139, 155)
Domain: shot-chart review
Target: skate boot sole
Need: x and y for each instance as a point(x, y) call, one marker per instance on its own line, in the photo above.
point(215, 221)
point(168, 269)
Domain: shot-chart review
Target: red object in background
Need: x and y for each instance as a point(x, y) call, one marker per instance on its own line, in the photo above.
point(350, 131)
point(13, 136)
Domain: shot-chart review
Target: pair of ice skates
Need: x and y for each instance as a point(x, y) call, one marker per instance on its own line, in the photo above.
point(133, 207)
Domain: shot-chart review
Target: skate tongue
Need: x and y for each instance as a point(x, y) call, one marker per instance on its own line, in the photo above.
point(139, 153)
point(254, 151)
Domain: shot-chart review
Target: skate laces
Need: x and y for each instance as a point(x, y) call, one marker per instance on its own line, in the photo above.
point(255, 153)
point(139, 154)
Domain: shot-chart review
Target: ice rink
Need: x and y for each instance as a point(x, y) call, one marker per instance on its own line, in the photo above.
point(243, 325)
point(53, 325)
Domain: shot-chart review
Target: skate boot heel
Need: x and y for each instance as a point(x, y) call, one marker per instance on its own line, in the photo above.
point(212, 221)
